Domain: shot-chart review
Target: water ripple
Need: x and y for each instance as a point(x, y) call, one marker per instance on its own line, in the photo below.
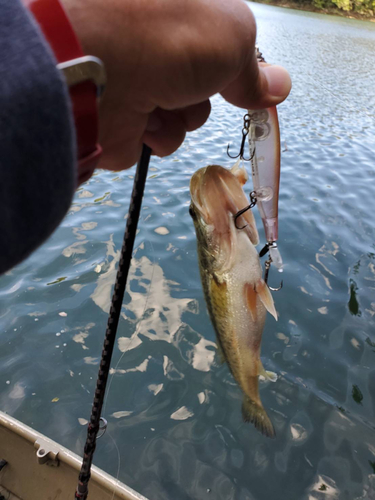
point(174, 411)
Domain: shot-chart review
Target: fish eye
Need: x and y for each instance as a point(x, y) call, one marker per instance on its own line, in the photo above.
point(192, 212)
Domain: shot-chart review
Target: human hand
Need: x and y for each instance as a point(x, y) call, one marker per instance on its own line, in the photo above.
point(164, 60)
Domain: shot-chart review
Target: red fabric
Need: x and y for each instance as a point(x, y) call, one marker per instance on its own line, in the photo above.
point(59, 33)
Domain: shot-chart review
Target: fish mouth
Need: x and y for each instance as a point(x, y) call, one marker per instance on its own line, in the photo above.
point(217, 196)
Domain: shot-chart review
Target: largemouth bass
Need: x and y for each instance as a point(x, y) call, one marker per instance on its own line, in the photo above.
point(237, 298)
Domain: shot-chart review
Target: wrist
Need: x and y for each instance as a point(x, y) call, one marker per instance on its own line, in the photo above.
point(83, 75)
point(84, 21)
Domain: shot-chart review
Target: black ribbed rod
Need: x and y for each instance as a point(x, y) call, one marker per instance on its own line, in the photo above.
point(113, 319)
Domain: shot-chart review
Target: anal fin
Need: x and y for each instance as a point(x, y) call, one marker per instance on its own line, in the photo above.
point(267, 375)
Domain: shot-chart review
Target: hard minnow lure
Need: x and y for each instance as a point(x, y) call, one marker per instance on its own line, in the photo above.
point(261, 128)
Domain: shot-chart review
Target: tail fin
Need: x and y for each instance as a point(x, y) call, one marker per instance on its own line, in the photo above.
point(256, 414)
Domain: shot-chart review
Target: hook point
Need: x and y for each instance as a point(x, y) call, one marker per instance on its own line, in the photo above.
point(277, 289)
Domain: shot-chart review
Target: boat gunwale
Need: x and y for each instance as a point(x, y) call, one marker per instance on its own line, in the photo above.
point(69, 458)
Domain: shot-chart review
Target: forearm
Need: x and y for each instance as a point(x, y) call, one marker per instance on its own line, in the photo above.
point(37, 143)
point(164, 60)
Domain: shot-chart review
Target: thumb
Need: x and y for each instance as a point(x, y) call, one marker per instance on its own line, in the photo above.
point(259, 85)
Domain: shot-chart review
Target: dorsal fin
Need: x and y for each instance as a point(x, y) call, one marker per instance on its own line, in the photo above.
point(239, 171)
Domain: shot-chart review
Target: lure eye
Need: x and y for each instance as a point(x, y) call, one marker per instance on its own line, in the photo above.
point(262, 131)
point(260, 116)
point(192, 212)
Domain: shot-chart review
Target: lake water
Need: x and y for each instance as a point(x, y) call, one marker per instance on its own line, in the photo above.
point(174, 412)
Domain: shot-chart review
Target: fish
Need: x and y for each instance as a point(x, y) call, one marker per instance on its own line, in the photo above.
point(236, 295)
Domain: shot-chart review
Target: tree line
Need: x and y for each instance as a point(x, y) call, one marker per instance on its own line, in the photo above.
point(365, 8)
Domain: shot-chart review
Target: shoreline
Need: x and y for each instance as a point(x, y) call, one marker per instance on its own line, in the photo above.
point(290, 4)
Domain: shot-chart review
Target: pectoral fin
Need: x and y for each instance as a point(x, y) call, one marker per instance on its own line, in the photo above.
point(251, 300)
point(266, 297)
point(262, 291)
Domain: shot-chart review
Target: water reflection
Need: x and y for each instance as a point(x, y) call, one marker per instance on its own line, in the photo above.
point(165, 364)
point(353, 302)
point(357, 394)
point(162, 321)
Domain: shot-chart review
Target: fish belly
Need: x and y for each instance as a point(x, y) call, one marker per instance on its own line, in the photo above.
point(238, 334)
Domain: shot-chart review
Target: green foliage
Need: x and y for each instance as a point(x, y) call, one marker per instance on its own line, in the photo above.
point(320, 4)
point(362, 7)
point(343, 4)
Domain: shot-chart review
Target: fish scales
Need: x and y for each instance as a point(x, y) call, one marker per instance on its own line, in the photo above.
point(235, 293)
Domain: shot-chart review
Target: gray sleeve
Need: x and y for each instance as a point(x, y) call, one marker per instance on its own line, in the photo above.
point(37, 141)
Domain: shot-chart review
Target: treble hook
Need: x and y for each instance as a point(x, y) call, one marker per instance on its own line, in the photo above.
point(253, 200)
point(267, 266)
point(245, 133)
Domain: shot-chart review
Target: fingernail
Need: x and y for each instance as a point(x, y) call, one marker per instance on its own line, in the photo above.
point(153, 124)
point(278, 79)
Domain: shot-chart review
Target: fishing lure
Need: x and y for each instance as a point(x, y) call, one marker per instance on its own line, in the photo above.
point(261, 129)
